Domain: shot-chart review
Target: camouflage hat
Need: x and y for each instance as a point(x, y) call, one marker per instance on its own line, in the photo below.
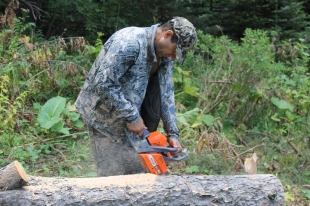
point(186, 34)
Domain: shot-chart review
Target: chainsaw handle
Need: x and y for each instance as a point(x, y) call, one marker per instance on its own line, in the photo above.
point(164, 149)
point(145, 134)
point(176, 158)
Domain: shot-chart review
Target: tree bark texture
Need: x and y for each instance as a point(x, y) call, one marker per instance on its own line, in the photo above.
point(149, 189)
point(12, 176)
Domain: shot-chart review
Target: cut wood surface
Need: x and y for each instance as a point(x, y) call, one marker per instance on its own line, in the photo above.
point(12, 176)
point(149, 189)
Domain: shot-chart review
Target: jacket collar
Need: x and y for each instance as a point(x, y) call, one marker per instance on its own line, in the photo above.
point(151, 38)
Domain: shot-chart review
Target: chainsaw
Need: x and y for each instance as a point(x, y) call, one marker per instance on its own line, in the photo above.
point(153, 151)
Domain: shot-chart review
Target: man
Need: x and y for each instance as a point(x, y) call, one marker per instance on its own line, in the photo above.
point(130, 87)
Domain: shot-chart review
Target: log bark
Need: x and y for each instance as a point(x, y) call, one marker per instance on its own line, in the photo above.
point(149, 189)
point(12, 176)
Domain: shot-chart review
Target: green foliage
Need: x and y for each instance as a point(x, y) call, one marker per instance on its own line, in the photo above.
point(192, 169)
point(306, 177)
point(243, 91)
point(282, 104)
point(50, 114)
point(9, 107)
point(32, 72)
point(95, 50)
point(253, 92)
point(307, 194)
point(68, 18)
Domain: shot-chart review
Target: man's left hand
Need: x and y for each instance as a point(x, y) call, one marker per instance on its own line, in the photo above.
point(175, 144)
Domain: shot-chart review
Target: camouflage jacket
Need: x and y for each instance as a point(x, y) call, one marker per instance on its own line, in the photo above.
point(116, 84)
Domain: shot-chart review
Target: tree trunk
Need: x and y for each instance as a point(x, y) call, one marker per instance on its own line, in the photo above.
point(12, 176)
point(149, 189)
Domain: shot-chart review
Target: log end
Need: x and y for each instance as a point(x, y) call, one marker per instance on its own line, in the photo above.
point(12, 176)
point(21, 171)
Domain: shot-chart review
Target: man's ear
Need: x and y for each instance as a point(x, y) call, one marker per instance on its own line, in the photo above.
point(168, 33)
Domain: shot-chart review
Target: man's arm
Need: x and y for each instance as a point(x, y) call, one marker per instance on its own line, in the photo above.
point(168, 112)
point(120, 56)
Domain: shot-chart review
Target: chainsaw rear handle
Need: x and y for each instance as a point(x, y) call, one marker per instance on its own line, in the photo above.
point(145, 134)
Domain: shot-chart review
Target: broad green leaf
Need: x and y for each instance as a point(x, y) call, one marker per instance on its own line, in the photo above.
point(54, 106)
point(71, 115)
point(282, 104)
point(290, 115)
point(46, 121)
point(59, 127)
point(181, 120)
point(50, 112)
point(191, 91)
point(207, 119)
point(78, 123)
point(189, 117)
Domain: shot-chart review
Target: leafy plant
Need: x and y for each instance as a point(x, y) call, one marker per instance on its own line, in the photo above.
point(307, 194)
point(192, 169)
point(9, 107)
point(52, 113)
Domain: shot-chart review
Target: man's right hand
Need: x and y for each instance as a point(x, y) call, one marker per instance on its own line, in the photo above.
point(138, 127)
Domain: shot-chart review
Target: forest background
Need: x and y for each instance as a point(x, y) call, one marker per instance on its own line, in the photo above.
point(243, 91)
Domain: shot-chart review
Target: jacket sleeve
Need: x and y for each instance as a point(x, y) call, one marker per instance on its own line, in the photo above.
point(168, 112)
point(119, 57)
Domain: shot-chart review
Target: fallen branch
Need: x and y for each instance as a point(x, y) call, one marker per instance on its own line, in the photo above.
point(294, 147)
point(260, 133)
point(241, 140)
point(252, 149)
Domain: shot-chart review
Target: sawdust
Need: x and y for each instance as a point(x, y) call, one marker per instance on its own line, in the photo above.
point(53, 184)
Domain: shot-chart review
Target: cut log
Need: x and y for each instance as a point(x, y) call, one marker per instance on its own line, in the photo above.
point(12, 176)
point(149, 189)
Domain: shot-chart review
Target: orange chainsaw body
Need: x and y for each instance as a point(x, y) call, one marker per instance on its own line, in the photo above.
point(154, 162)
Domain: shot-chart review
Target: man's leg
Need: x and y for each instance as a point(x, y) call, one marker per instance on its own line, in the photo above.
point(113, 157)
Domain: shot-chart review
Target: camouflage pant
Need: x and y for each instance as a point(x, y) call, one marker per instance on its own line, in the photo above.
point(113, 157)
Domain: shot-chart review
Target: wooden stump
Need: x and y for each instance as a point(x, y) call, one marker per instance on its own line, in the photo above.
point(12, 176)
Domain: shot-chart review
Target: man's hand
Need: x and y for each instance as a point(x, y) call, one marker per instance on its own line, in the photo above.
point(138, 127)
point(175, 144)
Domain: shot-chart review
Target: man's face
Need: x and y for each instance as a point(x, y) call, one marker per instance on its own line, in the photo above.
point(165, 48)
